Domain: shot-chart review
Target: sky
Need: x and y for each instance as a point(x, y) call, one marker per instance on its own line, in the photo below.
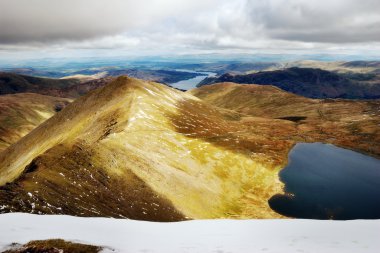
point(65, 28)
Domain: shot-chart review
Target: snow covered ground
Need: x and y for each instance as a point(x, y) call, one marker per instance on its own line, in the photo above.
point(216, 236)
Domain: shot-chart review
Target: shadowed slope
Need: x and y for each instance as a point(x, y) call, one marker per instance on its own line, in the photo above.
point(21, 113)
point(308, 82)
point(136, 149)
point(11, 83)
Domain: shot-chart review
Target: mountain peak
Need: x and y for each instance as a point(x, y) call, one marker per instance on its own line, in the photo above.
point(140, 150)
point(88, 115)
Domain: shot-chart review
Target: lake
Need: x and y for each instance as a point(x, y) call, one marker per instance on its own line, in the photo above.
point(191, 83)
point(323, 181)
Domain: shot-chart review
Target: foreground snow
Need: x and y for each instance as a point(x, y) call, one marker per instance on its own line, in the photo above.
point(217, 236)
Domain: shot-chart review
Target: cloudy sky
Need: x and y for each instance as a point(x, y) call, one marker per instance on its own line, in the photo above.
point(154, 27)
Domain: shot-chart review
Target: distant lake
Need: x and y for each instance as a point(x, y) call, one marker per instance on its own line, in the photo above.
point(323, 181)
point(191, 83)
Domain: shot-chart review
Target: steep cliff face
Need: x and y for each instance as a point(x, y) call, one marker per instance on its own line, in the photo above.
point(144, 151)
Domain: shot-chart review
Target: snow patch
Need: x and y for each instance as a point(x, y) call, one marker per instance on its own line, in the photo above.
point(206, 236)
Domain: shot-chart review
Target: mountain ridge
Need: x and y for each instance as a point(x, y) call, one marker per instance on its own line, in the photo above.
point(308, 82)
point(142, 150)
point(133, 142)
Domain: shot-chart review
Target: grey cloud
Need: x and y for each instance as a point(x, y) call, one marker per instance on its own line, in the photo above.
point(189, 24)
point(70, 20)
point(331, 21)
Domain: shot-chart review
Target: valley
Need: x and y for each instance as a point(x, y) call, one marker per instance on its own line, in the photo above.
point(142, 150)
point(191, 83)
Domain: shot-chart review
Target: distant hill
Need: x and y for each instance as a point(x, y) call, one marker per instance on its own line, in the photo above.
point(367, 64)
point(230, 67)
point(351, 124)
point(308, 82)
point(155, 74)
point(158, 75)
point(11, 83)
point(342, 67)
point(78, 85)
point(14, 83)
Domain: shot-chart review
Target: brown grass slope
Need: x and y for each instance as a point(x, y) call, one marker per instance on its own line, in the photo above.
point(21, 113)
point(352, 124)
point(53, 246)
point(144, 151)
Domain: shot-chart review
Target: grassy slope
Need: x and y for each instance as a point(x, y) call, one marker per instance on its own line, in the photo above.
point(144, 151)
point(20, 113)
point(348, 123)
